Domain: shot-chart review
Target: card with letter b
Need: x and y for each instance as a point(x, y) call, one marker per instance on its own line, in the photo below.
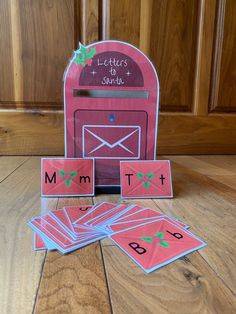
point(67, 177)
point(157, 243)
point(146, 178)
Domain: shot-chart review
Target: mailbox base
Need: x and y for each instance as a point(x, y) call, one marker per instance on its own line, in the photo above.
point(107, 190)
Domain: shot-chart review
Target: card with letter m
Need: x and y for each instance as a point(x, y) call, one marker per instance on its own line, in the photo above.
point(145, 179)
point(67, 177)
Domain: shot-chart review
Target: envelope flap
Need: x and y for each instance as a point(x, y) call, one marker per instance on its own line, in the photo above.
point(111, 134)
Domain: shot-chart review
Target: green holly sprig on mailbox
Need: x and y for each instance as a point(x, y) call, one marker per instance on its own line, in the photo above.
point(84, 56)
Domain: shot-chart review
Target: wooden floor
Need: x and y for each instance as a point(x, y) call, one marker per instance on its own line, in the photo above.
point(100, 278)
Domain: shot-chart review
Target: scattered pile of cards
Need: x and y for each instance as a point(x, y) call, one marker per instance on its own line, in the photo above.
point(150, 238)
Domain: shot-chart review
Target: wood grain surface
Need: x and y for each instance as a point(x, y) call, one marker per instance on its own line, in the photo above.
point(185, 134)
point(190, 42)
point(6, 53)
point(89, 21)
point(20, 266)
point(210, 207)
point(9, 166)
point(204, 53)
point(173, 51)
point(32, 66)
point(187, 286)
point(177, 134)
point(74, 283)
point(38, 133)
point(124, 17)
point(224, 78)
point(100, 278)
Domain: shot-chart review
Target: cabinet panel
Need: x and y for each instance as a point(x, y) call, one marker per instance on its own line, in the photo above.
point(125, 20)
point(192, 43)
point(6, 58)
point(40, 37)
point(173, 48)
point(224, 67)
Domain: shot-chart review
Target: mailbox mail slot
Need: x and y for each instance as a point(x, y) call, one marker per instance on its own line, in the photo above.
point(111, 96)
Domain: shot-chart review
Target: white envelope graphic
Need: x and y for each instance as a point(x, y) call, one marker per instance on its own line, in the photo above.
point(111, 141)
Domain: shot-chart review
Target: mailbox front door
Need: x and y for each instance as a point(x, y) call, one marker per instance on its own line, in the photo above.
point(110, 136)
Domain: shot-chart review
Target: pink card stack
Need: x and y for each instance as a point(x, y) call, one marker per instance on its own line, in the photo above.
point(150, 238)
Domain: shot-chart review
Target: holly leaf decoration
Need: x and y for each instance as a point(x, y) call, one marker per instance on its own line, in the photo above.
point(140, 175)
point(146, 184)
point(73, 173)
point(160, 235)
point(83, 49)
point(164, 244)
point(147, 239)
point(150, 175)
point(91, 53)
point(68, 182)
point(61, 172)
point(83, 55)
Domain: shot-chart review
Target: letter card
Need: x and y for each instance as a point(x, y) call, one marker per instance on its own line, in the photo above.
point(156, 244)
point(144, 179)
point(67, 177)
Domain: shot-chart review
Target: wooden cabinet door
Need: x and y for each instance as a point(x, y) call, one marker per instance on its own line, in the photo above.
point(192, 44)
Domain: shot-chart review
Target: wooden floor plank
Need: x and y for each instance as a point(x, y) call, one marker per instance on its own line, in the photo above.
point(202, 282)
point(20, 267)
point(204, 165)
point(227, 162)
point(217, 168)
point(197, 196)
point(185, 286)
point(209, 208)
point(227, 180)
point(74, 201)
point(75, 282)
point(10, 164)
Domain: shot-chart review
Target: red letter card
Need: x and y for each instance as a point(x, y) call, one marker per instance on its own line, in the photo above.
point(67, 177)
point(157, 243)
point(144, 179)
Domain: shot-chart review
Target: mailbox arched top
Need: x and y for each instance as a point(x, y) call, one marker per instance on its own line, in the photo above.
point(111, 64)
point(112, 68)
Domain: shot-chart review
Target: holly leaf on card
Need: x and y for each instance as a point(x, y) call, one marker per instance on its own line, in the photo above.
point(159, 235)
point(73, 173)
point(67, 176)
point(145, 178)
point(150, 175)
point(140, 175)
point(147, 239)
point(61, 172)
point(146, 184)
point(164, 244)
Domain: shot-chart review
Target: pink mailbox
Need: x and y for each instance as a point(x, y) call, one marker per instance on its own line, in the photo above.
point(111, 96)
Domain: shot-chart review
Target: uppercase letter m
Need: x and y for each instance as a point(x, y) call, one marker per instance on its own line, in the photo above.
point(53, 178)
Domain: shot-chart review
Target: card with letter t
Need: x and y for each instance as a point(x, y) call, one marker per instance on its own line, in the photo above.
point(67, 177)
point(157, 243)
point(146, 178)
